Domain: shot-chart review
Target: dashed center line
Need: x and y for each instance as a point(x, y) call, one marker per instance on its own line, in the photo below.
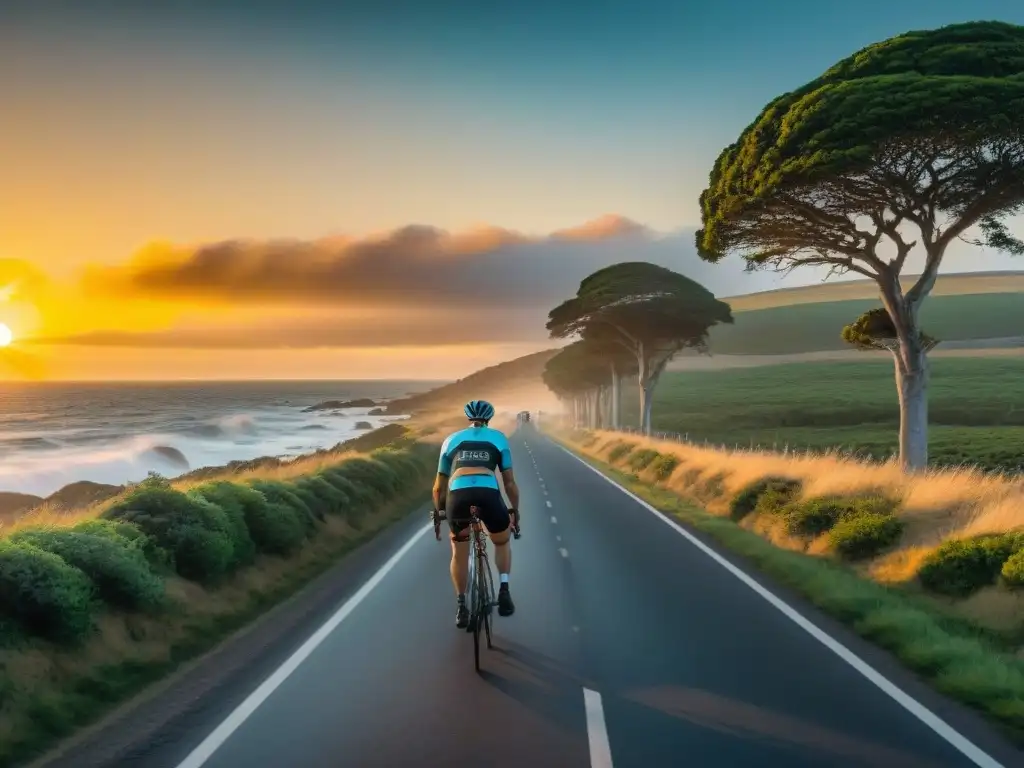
point(548, 503)
point(597, 731)
point(563, 551)
point(554, 519)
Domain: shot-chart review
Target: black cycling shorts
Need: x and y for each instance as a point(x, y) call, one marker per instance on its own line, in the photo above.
point(491, 509)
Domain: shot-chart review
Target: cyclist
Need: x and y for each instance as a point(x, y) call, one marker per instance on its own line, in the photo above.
point(465, 478)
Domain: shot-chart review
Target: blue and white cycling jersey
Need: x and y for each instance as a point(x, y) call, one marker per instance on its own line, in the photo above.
point(475, 447)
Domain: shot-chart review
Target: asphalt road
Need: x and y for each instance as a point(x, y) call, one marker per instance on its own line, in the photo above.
point(630, 647)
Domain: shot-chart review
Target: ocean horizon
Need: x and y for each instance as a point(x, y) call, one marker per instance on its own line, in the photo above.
point(58, 432)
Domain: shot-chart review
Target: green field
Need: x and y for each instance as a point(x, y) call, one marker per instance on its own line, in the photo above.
point(977, 408)
point(813, 327)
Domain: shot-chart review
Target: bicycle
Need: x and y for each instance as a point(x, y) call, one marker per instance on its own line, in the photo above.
point(481, 599)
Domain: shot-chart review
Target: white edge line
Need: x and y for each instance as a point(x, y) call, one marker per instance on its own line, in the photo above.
point(912, 705)
point(198, 756)
point(597, 731)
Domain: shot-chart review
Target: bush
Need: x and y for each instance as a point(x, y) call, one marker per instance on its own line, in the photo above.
point(327, 499)
point(664, 466)
point(816, 516)
point(960, 567)
point(230, 498)
point(44, 594)
point(358, 500)
point(195, 531)
point(770, 495)
point(1013, 569)
point(119, 571)
point(619, 451)
point(283, 494)
point(865, 535)
point(372, 475)
point(128, 534)
point(277, 529)
point(639, 460)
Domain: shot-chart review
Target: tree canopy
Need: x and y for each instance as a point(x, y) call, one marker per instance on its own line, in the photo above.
point(924, 122)
point(922, 130)
point(648, 311)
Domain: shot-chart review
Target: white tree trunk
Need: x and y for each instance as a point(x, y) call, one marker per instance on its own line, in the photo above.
point(912, 384)
point(616, 397)
point(646, 402)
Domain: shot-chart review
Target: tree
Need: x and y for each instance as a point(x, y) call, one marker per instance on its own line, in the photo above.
point(922, 132)
point(650, 312)
point(578, 375)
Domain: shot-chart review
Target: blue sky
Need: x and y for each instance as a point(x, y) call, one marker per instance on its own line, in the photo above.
point(356, 116)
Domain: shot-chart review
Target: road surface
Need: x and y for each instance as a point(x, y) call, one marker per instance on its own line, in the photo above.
point(630, 647)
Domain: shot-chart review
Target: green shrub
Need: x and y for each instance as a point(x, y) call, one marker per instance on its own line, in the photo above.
point(960, 567)
point(327, 499)
point(639, 460)
point(359, 500)
point(196, 532)
point(816, 516)
point(128, 534)
point(1013, 569)
point(43, 594)
point(283, 494)
point(372, 475)
point(620, 450)
point(664, 466)
point(119, 571)
point(865, 535)
point(276, 528)
point(770, 495)
point(231, 499)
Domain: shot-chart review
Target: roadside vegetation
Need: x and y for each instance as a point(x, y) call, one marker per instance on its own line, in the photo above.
point(929, 566)
point(97, 603)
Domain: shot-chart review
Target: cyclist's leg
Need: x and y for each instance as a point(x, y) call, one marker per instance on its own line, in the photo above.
point(495, 517)
point(458, 505)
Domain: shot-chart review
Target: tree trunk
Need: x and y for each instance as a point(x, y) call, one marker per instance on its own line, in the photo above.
point(615, 397)
point(911, 362)
point(646, 402)
point(912, 385)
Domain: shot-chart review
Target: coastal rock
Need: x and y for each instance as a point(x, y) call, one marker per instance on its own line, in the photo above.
point(378, 412)
point(170, 454)
point(363, 425)
point(332, 405)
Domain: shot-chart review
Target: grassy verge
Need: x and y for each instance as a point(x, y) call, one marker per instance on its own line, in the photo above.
point(94, 610)
point(973, 664)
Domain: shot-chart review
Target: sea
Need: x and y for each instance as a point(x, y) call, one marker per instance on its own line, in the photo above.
point(52, 434)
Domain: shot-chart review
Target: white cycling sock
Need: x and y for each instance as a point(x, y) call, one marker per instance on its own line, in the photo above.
point(504, 578)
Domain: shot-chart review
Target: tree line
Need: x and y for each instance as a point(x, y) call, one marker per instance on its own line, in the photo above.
point(903, 147)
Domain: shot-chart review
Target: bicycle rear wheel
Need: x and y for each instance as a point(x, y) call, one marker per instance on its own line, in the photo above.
point(486, 590)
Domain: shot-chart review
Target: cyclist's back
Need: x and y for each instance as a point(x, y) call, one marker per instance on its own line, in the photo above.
point(467, 452)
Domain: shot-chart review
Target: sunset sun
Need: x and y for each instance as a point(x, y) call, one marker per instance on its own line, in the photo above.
point(6, 337)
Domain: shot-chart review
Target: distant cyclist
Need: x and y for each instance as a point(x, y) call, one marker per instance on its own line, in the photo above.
point(465, 478)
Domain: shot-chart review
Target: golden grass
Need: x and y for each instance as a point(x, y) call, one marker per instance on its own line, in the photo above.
point(936, 505)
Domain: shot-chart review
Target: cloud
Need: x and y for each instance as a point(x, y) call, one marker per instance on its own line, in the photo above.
point(415, 266)
point(444, 328)
point(414, 285)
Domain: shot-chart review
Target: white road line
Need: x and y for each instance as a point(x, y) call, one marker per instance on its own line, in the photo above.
point(564, 552)
point(943, 729)
point(233, 721)
point(545, 491)
point(558, 538)
point(554, 519)
point(597, 731)
point(548, 503)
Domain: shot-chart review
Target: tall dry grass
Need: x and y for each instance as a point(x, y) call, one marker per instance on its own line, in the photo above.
point(936, 504)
